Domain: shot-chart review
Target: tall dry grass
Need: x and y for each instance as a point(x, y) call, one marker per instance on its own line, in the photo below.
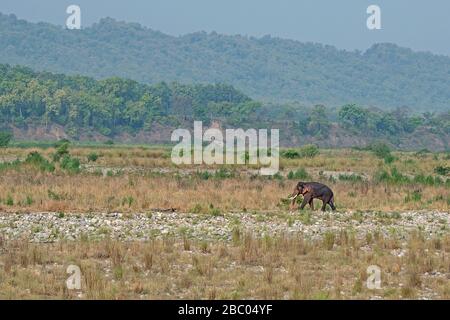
point(257, 268)
point(129, 179)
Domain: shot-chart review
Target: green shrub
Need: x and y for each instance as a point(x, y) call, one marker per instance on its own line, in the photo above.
point(277, 176)
point(394, 177)
point(29, 200)
point(62, 150)
point(9, 200)
point(70, 164)
point(382, 176)
point(36, 159)
point(309, 151)
point(389, 159)
point(92, 157)
point(204, 175)
point(5, 138)
point(350, 177)
point(441, 170)
point(290, 154)
point(215, 212)
point(381, 150)
point(398, 177)
point(10, 165)
point(298, 174)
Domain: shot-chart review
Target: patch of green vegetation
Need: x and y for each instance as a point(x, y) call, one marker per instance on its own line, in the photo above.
point(72, 165)
point(92, 157)
point(36, 159)
point(350, 177)
point(5, 138)
point(306, 217)
point(307, 151)
point(442, 170)
point(415, 196)
point(299, 174)
point(9, 200)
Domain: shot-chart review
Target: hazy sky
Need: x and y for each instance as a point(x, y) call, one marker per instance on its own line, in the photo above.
point(417, 24)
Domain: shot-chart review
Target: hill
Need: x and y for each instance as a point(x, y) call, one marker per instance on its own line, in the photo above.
point(43, 105)
point(267, 68)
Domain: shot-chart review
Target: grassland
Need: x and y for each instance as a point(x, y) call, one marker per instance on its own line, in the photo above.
point(265, 268)
point(94, 180)
point(130, 179)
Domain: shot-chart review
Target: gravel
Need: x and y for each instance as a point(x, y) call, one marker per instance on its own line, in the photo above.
point(51, 226)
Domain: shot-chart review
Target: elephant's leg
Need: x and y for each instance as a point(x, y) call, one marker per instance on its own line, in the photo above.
point(306, 198)
point(311, 204)
point(331, 203)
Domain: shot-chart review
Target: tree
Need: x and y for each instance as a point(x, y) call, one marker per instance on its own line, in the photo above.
point(354, 116)
point(318, 123)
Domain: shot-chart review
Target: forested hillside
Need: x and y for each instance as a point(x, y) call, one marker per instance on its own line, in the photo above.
point(88, 109)
point(113, 105)
point(267, 68)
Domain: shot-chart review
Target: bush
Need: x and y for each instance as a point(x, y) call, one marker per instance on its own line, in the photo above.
point(298, 174)
point(394, 177)
point(5, 138)
point(70, 164)
point(92, 157)
point(10, 165)
point(309, 151)
point(389, 159)
point(441, 170)
point(381, 150)
point(290, 154)
point(61, 151)
point(36, 159)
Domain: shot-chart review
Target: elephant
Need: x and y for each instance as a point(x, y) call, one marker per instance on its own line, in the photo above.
point(310, 191)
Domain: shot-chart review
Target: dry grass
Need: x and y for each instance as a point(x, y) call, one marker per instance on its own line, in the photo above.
point(131, 192)
point(268, 268)
point(132, 184)
point(247, 267)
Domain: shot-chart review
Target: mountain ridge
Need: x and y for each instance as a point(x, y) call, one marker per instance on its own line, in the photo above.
point(266, 68)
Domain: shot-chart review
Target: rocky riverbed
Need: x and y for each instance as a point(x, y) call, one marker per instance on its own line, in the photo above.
point(51, 226)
